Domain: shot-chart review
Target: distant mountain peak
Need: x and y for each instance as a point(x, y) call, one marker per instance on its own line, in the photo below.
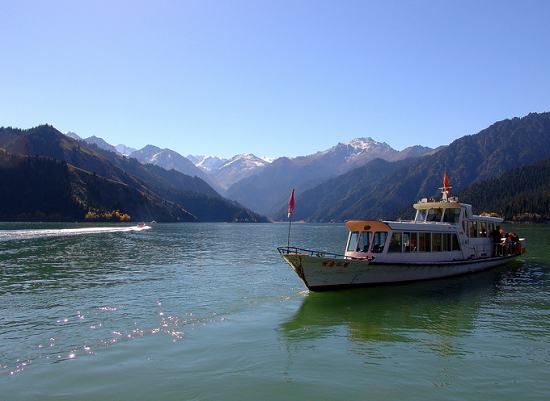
point(167, 159)
point(73, 135)
point(150, 148)
point(207, 163)
point(100, 143)
point(267, 159)
point(366, 143)
point(124, 150)
point(245, 160)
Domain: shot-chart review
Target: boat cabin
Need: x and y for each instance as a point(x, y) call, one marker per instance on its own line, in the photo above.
point(444, 230)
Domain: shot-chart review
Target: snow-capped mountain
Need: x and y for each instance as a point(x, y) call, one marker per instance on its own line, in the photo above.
point(244, 161)
point(354, 153)
point(167, 159)
point(235, 169)
point(226, 172)
point(267, 191)
point(207, 163)
point(124, 150)
point(359, 151)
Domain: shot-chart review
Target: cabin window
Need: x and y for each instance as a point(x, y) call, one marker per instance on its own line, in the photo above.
point(363, 244)
point(482, 229)
point(352, 243)
point(378, 241)
point(414, 242)
point(491, 227)
point(473, 229)
point(455, 244)
point(446, 242)
point(434, 214)
point(420, 215)
point(424, 242)
point(406, 242)
point(395, 243)
point(436, 242)
point(451, 215)
point(409, 242)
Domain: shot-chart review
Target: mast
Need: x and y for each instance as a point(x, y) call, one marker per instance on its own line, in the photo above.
point(446, 188)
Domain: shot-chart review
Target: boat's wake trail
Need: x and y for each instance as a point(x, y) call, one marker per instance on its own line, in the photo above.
point(27, 234)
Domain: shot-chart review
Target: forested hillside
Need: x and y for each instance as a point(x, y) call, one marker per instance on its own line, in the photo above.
point(96, 176)
point(522, 194)
point(501, 147)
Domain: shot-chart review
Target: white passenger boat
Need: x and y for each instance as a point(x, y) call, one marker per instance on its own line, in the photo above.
point(445, 239)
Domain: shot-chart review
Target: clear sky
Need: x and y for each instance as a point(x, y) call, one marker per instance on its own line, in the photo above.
point(272, 77)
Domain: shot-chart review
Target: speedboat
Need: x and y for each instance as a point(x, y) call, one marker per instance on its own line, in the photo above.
point(444, 239)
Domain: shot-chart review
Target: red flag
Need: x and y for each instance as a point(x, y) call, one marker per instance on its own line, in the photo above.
point(291, 204)
point(446, 181)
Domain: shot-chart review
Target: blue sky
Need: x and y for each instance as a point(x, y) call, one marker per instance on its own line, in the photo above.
point(272, 77)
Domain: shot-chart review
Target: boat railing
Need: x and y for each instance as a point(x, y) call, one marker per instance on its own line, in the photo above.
point(293, 250)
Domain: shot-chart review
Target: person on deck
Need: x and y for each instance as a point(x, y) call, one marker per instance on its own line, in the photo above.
point(496, 239)
point(516, 249)
point(508, 246)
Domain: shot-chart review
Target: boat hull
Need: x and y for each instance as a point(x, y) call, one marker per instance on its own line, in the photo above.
point(320, 273)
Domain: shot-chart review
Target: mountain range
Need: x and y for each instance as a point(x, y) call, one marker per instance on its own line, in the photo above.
point(167, 159)
point(387, 189)
point(219, 172)
point(88, 177)
point(355, 179)
point(267, 190)
point(257, 182)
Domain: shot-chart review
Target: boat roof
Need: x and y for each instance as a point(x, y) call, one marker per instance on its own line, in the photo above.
point(386, 226)
point(423, 204)
point(367, 225)
point(440, 204)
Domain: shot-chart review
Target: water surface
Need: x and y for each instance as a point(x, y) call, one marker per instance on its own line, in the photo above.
point(210, 312)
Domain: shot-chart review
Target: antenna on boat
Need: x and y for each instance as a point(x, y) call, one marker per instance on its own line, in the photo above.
point(446, 188)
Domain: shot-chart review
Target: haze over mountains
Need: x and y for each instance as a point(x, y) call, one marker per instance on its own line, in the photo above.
point(259, 182)
point(267, 190)
point(167, 159)
point(360, 178)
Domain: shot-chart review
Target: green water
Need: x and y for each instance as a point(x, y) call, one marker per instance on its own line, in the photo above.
point(210, 312)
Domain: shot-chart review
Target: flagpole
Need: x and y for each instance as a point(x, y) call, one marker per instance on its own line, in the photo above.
point(290, 212)
point(289, 225)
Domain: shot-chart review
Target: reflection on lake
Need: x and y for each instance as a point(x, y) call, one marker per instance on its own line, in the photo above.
point(445, 308)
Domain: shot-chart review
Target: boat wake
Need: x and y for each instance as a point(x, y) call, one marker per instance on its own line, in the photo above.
point(28, 234)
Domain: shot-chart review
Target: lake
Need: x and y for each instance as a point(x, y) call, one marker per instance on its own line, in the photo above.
point(211, 312)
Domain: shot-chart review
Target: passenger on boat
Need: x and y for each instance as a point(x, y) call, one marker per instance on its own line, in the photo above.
point(519, 249)
point(515, 243)
point(496, 238)
point(508, 246)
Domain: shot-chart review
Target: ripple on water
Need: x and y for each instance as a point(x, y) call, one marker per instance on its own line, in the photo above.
point(79, 297)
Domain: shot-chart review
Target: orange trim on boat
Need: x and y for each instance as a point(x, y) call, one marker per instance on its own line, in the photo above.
point(367, 225)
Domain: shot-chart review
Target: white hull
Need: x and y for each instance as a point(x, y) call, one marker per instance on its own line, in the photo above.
point(320, 273)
